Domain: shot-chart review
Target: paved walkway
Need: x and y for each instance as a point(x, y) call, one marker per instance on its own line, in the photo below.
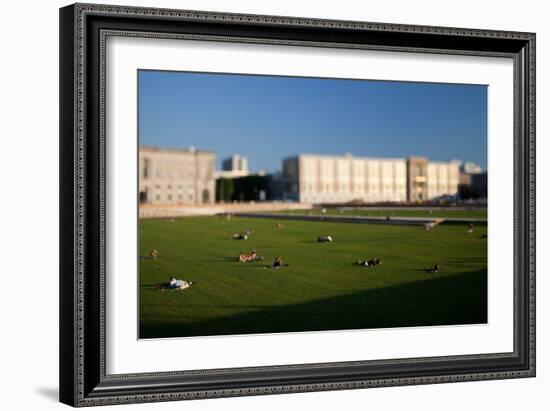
point(363, 219)
point(164, 211)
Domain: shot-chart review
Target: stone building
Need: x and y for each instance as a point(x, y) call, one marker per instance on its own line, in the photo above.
point(339, 179)
point(176, 176)
point(427, 180)
point(442, 178)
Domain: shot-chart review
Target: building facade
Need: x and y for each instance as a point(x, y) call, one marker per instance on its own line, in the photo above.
point(442, 179)
point(339, 179)
point(176, 176)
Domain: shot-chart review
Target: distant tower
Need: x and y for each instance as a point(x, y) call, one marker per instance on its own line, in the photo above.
point(470, 168)
point(236, 163)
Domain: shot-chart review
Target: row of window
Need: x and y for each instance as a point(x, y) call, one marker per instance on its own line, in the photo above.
point(357, 187)
point(322, 198)
point(357, 176)
point(173, 197)
point(346, 166)
point(177, 173)
point(179, 187)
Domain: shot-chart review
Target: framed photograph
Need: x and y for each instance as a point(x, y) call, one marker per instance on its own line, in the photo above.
point(262, 204)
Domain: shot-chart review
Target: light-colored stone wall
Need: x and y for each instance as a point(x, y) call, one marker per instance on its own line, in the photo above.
point(337, 179)
point(442, 179)
point(174, 176)
point(161, 211)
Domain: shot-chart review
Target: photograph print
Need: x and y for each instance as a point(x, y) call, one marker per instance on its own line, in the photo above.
point(279, 204)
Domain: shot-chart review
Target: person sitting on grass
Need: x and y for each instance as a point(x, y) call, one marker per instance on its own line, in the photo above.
point(434, 269)
point(154, 254)
point(278, 263)
point(470, 228)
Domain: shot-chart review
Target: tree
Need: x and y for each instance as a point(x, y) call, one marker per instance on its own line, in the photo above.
point(225, 188)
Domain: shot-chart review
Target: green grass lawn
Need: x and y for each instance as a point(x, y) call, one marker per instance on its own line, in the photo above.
point(479, 213)
point(321, 289)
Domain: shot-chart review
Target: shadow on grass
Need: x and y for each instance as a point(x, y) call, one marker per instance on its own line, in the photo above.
point(466, 260)
point(449, 300)
point(228, 259)
point(428, 270)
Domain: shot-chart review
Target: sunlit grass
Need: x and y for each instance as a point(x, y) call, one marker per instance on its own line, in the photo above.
point(321, 288)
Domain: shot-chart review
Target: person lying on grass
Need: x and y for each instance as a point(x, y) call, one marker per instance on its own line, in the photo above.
point(369, 263)
point(239, 236)
point(252, 256)
point(175, 284)
point(324, 239)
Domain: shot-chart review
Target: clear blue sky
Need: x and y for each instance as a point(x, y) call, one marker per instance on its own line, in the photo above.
point(267, 118)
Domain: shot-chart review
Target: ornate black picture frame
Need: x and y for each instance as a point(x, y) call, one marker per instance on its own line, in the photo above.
point(83, 30)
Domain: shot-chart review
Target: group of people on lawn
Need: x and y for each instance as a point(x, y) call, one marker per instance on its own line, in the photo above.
point(178, 284)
